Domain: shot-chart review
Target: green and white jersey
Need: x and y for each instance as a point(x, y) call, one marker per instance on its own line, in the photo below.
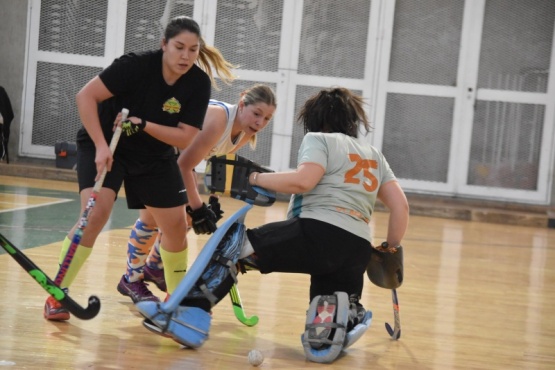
point(346, 194)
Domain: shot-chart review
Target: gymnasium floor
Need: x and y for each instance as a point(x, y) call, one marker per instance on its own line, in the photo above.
point(476, 296)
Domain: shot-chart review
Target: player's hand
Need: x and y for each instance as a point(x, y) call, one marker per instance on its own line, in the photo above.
point(132, 126)
point(215, 206)
point(103, 159)
point(204, 220)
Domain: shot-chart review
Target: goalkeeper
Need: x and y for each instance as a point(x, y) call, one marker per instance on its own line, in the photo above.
point(326, 234)
point(226, 128)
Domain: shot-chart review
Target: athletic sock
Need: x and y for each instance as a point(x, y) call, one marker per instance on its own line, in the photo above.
point(154, 260)
point(138, 247)
point(175, 267)
point(246, 249)
point(79, 258)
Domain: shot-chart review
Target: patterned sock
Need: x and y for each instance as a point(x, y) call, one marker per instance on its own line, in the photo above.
point(140, 242)
point(154, 260)
point(175, 267)
point(79, 258)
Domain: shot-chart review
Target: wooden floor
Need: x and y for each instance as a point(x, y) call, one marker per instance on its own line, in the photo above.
point(475, 296)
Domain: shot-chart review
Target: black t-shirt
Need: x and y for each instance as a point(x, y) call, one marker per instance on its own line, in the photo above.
point(137, 84)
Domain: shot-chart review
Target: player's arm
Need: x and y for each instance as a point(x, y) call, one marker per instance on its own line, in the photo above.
point(190, 157)
point(180, 136)
point(393, 197)
point(303, 179)
point(87, 99)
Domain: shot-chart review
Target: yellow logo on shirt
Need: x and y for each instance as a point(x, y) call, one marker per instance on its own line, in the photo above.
point(171, 106)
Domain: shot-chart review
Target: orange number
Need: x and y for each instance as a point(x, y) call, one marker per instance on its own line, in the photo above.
point(370, 182)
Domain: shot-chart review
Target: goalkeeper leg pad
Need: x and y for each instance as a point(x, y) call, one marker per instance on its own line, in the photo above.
point(326, 326)
point(359, 329)
point(188, 326)
point(221, 272)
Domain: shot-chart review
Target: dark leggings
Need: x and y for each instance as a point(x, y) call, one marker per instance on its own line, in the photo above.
point(335, 259)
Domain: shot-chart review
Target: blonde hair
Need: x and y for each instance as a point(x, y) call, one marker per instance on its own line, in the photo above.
point(210, 57)
point(258, 93)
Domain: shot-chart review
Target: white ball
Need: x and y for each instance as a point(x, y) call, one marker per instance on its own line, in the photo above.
point(256, 357)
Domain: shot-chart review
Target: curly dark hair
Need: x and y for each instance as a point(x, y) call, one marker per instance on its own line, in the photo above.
point(334, 110)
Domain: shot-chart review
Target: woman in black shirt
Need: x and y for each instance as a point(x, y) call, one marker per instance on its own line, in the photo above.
point(166, 92)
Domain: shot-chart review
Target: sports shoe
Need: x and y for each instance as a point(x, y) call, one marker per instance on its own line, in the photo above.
point(320, 334)
point(137, 291)
point(155, 276)
point(53, 310)
point(357, 313)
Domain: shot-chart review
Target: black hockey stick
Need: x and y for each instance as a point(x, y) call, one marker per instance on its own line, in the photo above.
point(238, 308)
point(44, 281)
point(395, 332)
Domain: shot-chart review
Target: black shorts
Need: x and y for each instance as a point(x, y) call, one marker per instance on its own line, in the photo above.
point(147, 181)
point(335, 259)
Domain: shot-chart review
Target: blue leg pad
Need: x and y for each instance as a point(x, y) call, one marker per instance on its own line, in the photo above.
point(188, 326)
point(222, 264)
point(355, 334)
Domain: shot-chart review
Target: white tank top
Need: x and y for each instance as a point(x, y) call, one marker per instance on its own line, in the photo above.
point(225, 145)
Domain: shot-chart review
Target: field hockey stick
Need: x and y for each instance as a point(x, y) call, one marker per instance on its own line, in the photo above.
point(78, 234)
point(238, 308)
point(44, 281)
point(395, 333)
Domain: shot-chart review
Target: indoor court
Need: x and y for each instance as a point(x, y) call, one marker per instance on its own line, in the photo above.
point(475, 296)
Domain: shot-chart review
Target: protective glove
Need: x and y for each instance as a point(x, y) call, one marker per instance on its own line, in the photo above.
point(215, 206)
point(204, 219)
point(129, 128)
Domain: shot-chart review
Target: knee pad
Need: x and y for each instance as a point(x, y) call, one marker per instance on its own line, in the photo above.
point(326, 327)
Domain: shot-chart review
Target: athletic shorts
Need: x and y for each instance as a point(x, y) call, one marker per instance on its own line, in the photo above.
point(147, 181)
point(335, 259)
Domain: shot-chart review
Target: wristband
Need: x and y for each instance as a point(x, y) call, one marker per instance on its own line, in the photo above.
point(254, 178)
point(142, 125)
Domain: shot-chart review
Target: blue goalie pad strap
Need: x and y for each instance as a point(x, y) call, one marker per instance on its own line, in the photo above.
point(229, 175)
point(151, 310)
point(326, 350)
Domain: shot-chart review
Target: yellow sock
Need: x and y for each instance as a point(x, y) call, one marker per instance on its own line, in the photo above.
point(175, 267)
point(81, 255)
